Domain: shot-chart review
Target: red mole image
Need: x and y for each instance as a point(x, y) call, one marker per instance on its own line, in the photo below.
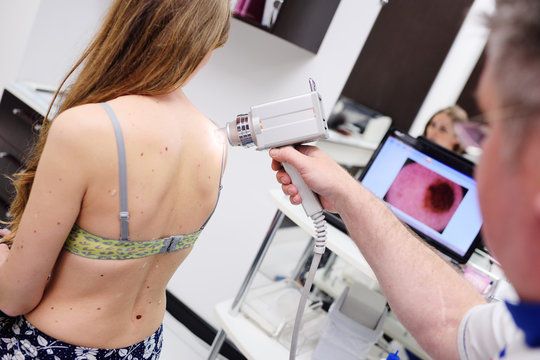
point(425, 195)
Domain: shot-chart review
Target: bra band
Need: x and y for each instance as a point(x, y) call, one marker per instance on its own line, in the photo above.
point(81, 242)
point(124, 214)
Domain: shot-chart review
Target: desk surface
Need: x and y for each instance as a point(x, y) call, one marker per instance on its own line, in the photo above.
point(250, 339)
point(36, 96)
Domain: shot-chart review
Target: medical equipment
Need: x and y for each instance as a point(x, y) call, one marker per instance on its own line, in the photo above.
point(289, 121)
point(356, 320)
point(430, 188)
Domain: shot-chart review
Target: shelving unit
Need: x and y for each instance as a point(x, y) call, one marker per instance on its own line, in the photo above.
point(251, 340)
point(301, 22)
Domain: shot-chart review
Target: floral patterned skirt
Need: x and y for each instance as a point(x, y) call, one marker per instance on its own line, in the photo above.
point(20, 340)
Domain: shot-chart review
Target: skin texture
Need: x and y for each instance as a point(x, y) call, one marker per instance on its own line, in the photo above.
point(173, 173)
point(425, 195)
point(512, 217)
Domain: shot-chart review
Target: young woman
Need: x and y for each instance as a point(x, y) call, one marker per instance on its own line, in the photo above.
point(119, 187)
point(440, 128)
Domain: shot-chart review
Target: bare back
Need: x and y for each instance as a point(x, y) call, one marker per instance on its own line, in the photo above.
point(174, 164)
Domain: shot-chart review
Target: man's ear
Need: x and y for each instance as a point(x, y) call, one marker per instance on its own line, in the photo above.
point(533, 170)
point(536, 206)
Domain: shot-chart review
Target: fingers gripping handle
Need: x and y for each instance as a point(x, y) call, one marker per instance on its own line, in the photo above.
point(310, 201)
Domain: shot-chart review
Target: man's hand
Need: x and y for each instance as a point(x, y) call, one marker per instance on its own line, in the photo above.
point(320, 172)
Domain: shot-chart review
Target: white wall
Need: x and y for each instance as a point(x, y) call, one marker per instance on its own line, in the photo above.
point(60, 32)
point(16, 19)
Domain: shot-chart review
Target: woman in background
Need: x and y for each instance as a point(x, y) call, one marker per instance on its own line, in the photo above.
point(129, 173)
point(441, 127)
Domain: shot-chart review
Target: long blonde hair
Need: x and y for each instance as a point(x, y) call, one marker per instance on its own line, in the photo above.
point(144, 47)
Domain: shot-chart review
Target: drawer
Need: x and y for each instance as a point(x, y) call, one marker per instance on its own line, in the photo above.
point(9, 165)
point(19, 124)
point(4, 207)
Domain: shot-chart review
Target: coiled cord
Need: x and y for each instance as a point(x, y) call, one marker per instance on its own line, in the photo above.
point(320, 228)
point(318, 250)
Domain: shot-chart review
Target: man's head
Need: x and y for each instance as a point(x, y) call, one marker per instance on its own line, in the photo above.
point(514, 55)
point(509, 172)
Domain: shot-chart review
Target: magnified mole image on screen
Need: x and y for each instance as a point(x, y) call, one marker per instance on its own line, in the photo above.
point(429, 188)
point(425, 195)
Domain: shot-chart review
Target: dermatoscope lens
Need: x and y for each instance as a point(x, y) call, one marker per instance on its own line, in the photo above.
point(239, 131)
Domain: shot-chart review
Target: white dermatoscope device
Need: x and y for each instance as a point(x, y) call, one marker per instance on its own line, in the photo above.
point(292, 121)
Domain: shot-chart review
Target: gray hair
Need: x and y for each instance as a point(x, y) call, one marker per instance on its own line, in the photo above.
point(514, 53)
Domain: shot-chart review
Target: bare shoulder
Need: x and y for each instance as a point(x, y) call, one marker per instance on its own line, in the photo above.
point(79, 119)
point(212, 140)
point(78, 132)
point(80, 124)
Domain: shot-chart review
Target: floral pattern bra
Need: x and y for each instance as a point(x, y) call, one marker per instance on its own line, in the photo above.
point(83, 243)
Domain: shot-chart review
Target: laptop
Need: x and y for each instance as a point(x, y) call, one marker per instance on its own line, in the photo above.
point(429, 188)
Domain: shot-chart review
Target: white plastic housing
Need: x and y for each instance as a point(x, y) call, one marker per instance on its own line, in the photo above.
point(289, 121)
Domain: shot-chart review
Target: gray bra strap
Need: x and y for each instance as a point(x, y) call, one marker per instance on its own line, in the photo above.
point(124, 215)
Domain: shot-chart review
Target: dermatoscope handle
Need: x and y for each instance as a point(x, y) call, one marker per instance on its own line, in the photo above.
point(310, 201)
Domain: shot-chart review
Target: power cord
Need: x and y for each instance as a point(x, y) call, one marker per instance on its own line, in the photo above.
point(318, 250)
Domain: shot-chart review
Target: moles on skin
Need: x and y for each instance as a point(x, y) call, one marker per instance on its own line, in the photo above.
point(425, 195)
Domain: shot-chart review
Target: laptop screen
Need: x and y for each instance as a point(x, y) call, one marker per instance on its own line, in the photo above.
point(430, 189)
